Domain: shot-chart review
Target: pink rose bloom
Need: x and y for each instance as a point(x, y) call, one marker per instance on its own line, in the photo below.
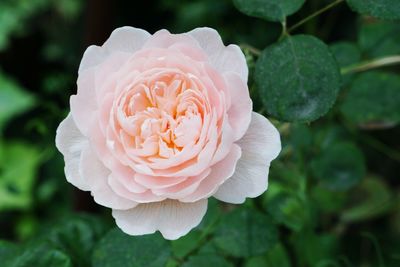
point(162, 122)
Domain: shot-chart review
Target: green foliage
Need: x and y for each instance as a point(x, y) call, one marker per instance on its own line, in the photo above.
point(13, 99)
point(385, 9)
point(118, 249)
point(297, 85)
point(41, 255)
point(16, 179)
point(379, 38)
point(339, 167)
point(246, 232)
point(8, 251)
point(68, 243)
point(76, 236)
point(277, 256)
point(289, 210)
point(372, 199)
point(314, 249)
point(373, 97)
point(207, 260)
point(272, 10)
point(346, 53)
point(12, 12)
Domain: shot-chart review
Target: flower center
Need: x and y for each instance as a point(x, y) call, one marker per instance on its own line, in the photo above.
point(164, 114)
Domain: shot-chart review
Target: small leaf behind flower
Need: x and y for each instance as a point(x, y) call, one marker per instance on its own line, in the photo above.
point(384, 9)
point(271, 10)
point(298, 79)
point(119, 249)
point(246, 232)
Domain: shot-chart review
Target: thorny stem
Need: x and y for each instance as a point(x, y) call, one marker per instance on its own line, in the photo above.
point(318, 12)
point(371, 64)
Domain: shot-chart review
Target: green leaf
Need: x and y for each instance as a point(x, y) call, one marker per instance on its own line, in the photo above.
point(184, 245)
point(246, 232)
point(384, 9)
point(8, 251)
point(346, 53)
point(373, 97)
point(298, 78)
point(312, 249)
point(40, 255)
point(277, 256)
point(328, 201)
point(13, 100)
point(288, 209)
point(118, 249)
point(190, 242)
point(207, 260)
point(76, 236)
point(271, 10)
point(372, 199)
point(339, 167)
point(379, 38)
point(13, 17)
point(16, 179)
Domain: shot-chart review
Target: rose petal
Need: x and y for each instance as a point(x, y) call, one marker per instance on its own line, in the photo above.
point(241, 108)
point(83, 104)
point(171, 217)
point(220, 172)
point(260, 145)
point(126, 39)
point(92, 57)
point(96, 175)
point(223, 58)
point(70, 142)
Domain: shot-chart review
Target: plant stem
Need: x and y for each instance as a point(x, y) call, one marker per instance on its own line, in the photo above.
point(251, 49)
point(284, 31)
point(371, 64)
point(318, 12)
point(382, 147)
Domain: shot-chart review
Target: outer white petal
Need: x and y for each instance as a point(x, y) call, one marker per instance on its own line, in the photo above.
point(223, 58)
point(124, 39)
point(92, 57)
point(171, 217)
point(70, 142)
point(96, 175)
point(260, 145)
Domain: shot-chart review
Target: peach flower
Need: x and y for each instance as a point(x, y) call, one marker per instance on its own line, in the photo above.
point(162, 122)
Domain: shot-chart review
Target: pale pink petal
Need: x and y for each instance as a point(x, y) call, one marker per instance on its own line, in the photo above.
point(96, 175)
point(241, 108)
point(164, 39)
point(223, 58)
point(260, 145)
point(126, 39)
point(83, 104)
point(220, 172)
point(121, 190)
point(227, 139)
point(171, 217)
point(157, 182)
point(93, 56)
point(183, 189)
point(70, 142)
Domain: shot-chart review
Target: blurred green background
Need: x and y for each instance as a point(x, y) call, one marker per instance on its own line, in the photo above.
point(334, 192)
